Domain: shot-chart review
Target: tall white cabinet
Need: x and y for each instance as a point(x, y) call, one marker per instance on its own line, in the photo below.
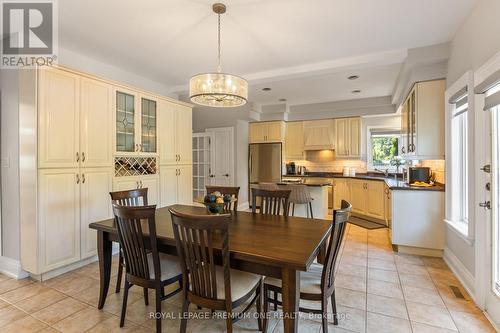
point(68, 165)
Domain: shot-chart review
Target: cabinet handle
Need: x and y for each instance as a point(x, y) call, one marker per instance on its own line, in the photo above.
point(83, 178)
point(179, 158)
point(403, 150)
point(137, 184)
point(141, 183)
point(83, 156)
point(226, 175)
point(77, 178)
point(77, 157)
point(140, 147)
point(135, 147)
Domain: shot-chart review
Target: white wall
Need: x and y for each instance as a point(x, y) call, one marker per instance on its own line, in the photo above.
point(475, 42)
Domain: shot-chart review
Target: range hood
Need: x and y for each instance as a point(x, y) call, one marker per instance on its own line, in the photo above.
point(319, 135)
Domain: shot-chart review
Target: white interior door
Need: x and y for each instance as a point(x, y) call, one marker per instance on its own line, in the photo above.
point(222, 150)
point(202, 168)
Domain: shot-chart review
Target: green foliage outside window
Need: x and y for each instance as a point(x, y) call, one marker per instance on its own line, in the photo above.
point(384, 148)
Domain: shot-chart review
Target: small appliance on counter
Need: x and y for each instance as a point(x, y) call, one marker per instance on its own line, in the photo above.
point(290, 168)
point(419, 175)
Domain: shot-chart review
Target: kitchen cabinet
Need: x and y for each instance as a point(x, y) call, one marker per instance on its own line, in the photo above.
point(341, 191)
point(175, 134)
point(95, 205)
point(294, 140)
point(348, 137)
point(151, 182)
point(375, 199)
point(176, 184)
point(319, 134)
point(58, 119)
point(262, 132)
point(136, 117)
point(422, 121)
point(358, 196)
point(388, 207)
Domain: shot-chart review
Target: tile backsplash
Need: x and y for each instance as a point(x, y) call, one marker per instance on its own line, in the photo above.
point(332, 166)
point(437, 168)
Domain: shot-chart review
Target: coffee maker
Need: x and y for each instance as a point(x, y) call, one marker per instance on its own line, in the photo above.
point(290, 168)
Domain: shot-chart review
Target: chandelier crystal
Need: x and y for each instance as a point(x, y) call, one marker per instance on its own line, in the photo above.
point(218, 89)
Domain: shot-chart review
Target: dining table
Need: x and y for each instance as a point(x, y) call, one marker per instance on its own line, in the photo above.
point(270, 245)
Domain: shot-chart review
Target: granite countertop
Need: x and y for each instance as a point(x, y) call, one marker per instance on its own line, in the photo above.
point(390, 181)
point(310, 181)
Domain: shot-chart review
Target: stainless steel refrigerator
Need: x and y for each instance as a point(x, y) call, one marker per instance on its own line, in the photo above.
point(264, 164)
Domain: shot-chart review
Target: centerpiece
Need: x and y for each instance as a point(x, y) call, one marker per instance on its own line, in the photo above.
point(216, 203)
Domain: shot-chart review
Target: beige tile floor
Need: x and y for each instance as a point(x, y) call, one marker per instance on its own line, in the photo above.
point(377, 291)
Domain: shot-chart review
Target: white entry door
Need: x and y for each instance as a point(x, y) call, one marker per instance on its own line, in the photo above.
point(222, 156)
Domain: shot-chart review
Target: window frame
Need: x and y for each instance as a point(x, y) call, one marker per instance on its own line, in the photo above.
point(369, 152)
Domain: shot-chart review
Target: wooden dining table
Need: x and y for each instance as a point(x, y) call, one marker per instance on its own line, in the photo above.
point(269, 245)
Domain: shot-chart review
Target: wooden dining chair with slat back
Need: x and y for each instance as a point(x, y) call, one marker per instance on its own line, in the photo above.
point(232, 191)
point(144, 265)
point(317, 284)
point(135, 197)
point(205, 283)
point(272, 202)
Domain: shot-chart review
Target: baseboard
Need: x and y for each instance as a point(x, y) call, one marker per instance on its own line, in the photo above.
point(243, 206)
point(12, 268)
point(419, 251)
point(461, 272)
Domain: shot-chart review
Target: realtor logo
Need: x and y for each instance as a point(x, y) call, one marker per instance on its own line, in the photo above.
point(28, 33)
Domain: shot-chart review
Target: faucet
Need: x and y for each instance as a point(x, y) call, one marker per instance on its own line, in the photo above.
point(385, 172)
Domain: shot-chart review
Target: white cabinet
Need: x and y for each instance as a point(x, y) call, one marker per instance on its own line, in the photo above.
point(59, 217)
point(348, 134)
point(151, 182)
point(294, 140)
point(272, 131)
point(95, 205)
point(176, 185)
point(96, 120)
point(341, 191)
point(175, 124)
point(319, 134)
point(422, 121)
point(58, 119)
point(136, 123)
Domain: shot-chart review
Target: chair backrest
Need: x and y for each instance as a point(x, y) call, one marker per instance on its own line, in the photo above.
point(340, 219)
point(194, 236)
point(232, 191)
point(272, 202)
point(300, 194)
point(136, 244)
point(130, 197)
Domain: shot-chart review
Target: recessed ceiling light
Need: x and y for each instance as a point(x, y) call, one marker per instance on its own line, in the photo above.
point(353, 77)
point(357, 91)
point(266, 89)
point(282, 99)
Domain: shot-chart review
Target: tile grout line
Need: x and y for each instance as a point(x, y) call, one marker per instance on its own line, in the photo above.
point(404, 297)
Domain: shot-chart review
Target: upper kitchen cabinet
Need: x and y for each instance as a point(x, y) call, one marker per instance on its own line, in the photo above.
point(348, 137)
point(58, 119)
point(422, 121)
point(319, 134)
point(136, 123)
point(262, 132)
point(175, 124)
point(74, 120)
point(294, 140)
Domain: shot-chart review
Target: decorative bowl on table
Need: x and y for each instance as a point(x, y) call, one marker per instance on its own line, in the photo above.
point(217, 203)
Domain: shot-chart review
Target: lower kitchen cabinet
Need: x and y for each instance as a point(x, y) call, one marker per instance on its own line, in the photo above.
point(341, 191)
point(176, 184)
point(358, 196)
point(151, 182)
point(367, 197)
point(375, 203)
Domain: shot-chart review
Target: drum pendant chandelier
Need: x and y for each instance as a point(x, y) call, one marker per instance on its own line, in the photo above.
point(218, 89)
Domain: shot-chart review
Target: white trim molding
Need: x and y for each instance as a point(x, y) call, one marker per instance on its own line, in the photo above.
point(461, 272)
point(456, 228)
point(12, 268)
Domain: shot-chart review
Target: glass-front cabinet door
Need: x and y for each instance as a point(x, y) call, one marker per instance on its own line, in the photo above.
point(125, 122)
point(148, 125)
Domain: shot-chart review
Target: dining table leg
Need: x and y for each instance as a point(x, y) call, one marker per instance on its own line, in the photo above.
point(290, 287)
point(104, 246)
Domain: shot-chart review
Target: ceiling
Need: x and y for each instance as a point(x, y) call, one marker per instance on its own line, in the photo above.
point(303, 49)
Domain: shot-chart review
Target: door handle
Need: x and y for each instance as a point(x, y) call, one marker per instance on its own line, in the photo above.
point(77, 157)
point(485, 205)
point(486, 168)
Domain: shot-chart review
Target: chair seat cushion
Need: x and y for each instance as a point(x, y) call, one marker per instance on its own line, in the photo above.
point(169, 266)
point(241, 283)
point(310, 281)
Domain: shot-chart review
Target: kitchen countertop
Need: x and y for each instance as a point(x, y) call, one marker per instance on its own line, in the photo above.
point(309, 181)
point(390, 181)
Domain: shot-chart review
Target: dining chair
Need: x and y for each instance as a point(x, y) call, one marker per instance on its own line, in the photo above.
point(136, 197)
point(300, 195)
point(232, 191)
point(144, 265)
point(317, 284)
point(205, 283)
point(272, 202)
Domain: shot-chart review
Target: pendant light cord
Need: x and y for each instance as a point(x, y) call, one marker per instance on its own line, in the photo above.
point(219, 67)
